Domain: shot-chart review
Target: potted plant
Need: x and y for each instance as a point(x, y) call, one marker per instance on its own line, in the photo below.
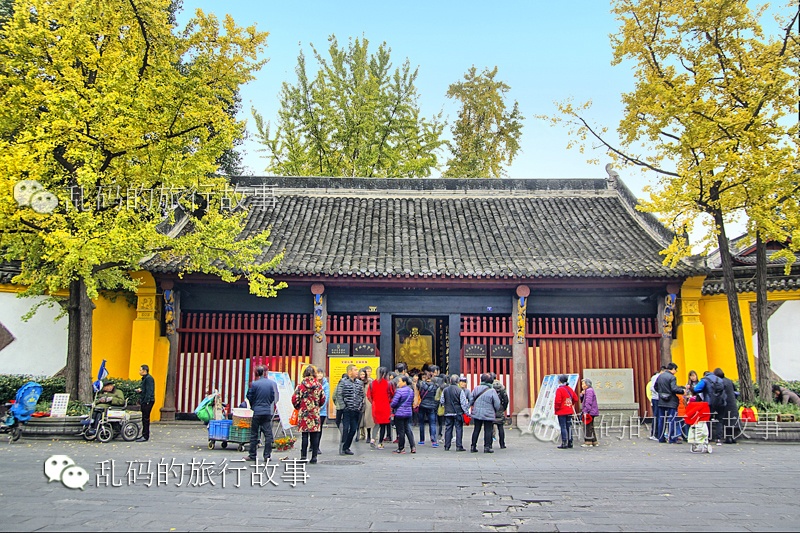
point(284, 443)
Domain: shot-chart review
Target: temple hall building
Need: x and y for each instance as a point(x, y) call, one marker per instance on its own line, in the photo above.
point(520, 277)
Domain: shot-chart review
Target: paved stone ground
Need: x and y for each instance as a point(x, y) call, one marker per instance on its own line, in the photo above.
point(531, 486)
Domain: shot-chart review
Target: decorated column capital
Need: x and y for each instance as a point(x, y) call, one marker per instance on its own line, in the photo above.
point(523, 291)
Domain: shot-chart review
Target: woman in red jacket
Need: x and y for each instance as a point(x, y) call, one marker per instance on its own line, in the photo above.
point(566, 399)
point(379, 393)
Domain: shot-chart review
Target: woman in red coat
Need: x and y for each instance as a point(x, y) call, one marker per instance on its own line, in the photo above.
point(565, 403)
point(379, 393)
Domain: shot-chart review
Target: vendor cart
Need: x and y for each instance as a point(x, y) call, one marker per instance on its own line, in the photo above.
point(225, 432)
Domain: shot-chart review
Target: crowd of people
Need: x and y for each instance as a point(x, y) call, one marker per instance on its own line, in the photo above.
point(668, 400)
point(393, 402)
point(372, 408)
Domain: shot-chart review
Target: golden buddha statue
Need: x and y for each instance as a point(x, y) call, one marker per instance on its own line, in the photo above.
point(415, 351)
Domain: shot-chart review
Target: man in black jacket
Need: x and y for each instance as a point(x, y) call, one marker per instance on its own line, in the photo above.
point(455, 402)
point(667, 389)
point(352, 394)
point(262, 394)
point(147, 397)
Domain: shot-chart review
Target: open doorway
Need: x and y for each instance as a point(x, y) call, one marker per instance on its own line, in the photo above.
point(421, 341)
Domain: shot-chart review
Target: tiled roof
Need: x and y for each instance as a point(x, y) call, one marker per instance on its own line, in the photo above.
point(8, 271)
point(457, 228)
point(774, 283)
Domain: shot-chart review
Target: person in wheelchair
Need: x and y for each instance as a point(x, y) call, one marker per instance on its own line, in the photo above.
point(109, 396)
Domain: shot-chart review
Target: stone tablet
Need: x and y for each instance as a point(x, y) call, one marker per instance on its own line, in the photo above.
point(611, 385)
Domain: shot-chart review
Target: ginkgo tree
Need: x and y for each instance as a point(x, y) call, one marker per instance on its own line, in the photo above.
point(119, 118)
point(354, 114)
point(486, 133)
point(712, 115)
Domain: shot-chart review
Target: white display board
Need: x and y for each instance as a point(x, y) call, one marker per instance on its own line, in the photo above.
point(544, 422)
point(285, 392)
point(58, 409)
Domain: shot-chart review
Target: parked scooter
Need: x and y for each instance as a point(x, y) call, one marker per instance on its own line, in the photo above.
point(20, 410)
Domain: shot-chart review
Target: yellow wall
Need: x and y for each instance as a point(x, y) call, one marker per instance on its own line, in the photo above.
point(716, 318)
point(704, 339)
point(689, 348)
point(147, 346)
point(128, 337)
point(719, 335)
point(111, 336)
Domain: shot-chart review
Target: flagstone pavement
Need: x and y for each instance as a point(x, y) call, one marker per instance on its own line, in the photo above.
point(175, 483)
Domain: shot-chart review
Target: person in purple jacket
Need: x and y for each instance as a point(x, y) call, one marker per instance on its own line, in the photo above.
point(589, 411)
point(402, 408)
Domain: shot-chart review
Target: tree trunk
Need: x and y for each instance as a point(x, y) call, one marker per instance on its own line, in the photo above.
point(79, 343)
point(739, 346)
point(73, 340)
point(764, 370)
point(85, 364)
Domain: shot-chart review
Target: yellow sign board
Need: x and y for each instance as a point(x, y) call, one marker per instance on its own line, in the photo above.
point(338, 366)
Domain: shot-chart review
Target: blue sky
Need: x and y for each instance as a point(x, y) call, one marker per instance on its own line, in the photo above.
point(545, 51)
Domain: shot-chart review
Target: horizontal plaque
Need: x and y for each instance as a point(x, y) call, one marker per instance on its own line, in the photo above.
point(474, 350)
point(364, 349)
point(612, 385)
point(502, 351)
point(337, 349)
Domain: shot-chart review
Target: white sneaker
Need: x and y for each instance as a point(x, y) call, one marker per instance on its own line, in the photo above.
point(652, 437)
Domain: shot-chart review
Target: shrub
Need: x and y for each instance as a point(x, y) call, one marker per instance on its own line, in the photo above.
point(10, 383)
point(127, 387)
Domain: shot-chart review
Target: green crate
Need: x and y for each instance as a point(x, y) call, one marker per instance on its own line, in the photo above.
point(239, 434)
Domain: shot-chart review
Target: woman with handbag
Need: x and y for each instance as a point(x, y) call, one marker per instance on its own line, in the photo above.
point(589, 412)
point(308, 398)
point(564, 407)
point(402, 405)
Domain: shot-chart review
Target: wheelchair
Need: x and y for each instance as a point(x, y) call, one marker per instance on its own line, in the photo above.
point(112, 423)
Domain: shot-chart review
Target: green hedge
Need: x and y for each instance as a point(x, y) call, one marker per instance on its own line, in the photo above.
point(791, 385)
point(10, 383)
point(772, 407)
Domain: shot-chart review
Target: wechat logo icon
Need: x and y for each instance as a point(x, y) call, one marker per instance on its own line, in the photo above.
point(62, 468)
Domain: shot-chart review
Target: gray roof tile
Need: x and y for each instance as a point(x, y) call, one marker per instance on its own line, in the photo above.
point(457, 228)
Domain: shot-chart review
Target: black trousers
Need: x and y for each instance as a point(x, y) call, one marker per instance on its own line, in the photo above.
point(501, 433)
point(322, 420)
point(402, 424)
point(590, 435)
point(486, 425)
point(386, 430)
point(261, 424)
point(146, 409)
point(451, 422)
point(349, 428)
point(312, 436)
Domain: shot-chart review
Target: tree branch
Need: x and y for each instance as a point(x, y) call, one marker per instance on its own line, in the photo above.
point(630, 159)
point(143, 29)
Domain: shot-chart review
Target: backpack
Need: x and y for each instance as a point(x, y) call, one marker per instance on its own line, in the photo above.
point(716, 393)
